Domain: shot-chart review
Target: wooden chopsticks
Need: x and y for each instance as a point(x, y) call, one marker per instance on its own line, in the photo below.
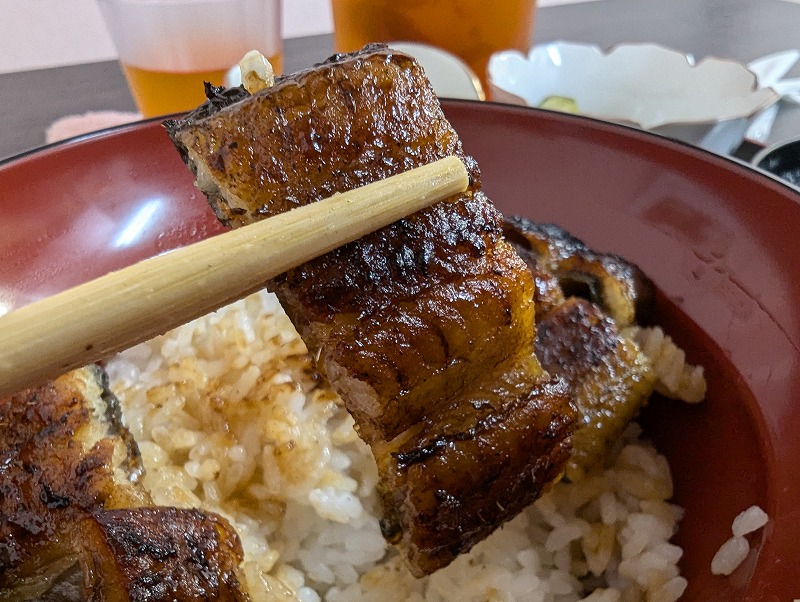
point(103, 316)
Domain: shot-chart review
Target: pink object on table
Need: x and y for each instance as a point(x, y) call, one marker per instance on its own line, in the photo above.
point(91, 121)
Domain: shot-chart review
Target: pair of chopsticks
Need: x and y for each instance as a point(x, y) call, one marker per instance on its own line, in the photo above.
point(91, 321)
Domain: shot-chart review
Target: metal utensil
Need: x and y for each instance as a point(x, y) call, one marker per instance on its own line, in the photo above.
point(756, 136)
point(726, 136)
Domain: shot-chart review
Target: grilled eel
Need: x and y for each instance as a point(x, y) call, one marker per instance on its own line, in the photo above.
point(426, 327)
point(583, 300)
point(75, 523)
point(564, 265)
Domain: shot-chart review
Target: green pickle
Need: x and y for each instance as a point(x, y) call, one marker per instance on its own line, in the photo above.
point(560, 103)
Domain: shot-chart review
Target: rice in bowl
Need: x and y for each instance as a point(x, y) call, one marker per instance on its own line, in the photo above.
point(230, 417)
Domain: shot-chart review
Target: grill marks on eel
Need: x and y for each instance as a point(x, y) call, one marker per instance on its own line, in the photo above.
point(75, 522)
point(582, 300)
point(426, 327)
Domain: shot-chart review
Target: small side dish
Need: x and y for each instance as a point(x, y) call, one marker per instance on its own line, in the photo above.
point(641, 84)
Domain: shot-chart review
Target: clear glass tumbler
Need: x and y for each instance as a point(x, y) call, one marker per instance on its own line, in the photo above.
point(168, 48)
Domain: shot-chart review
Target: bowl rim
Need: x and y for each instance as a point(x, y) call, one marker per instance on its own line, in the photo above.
point(80, 138)
point(751, 166)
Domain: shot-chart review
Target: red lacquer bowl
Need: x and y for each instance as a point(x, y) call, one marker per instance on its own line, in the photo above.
point(719, 240)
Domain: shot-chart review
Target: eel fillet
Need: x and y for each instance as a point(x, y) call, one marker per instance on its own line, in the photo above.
point(426, 327)
point(75, 523)
point(583, 300)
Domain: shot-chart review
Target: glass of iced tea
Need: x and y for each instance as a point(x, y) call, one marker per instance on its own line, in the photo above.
point(168, 48)
point(471, 29)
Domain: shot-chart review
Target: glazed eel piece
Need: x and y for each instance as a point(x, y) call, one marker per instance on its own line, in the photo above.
point(426, 327)
point(75, 522)
point(584, 300)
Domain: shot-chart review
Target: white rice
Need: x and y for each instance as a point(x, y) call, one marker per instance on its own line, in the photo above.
point(729, 556)
point(748, 521)
point(674, 376)
point(733, 552)
point(230, 417)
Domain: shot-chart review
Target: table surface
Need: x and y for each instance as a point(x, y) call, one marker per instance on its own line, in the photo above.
point(738, 29)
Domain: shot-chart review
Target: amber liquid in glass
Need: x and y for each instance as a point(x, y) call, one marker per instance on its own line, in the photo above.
point(163, 92)
point(471, 29)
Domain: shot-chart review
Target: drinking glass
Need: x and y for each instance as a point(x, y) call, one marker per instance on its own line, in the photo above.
point(471, 29)
point(168, 48)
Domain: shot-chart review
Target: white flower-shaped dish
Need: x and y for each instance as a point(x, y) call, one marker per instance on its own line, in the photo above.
point(642, 84)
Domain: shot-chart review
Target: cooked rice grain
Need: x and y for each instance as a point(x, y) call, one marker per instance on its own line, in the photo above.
point(734, 551)
point(675, 377)
point(231, 418)
point(730, 555)
point(748, 521)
